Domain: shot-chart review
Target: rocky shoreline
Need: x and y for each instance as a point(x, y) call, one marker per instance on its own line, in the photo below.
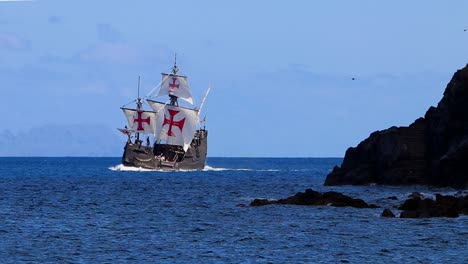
point(431, 151)
point(442, 206)
point(416, 206)
point(311, 197)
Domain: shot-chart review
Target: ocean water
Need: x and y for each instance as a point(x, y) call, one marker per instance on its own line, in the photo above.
point(94, 210)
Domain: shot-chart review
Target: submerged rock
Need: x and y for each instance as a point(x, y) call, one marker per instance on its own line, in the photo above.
point(431, 151)
point(260, 202)
point(311, 197)
point(387, 213)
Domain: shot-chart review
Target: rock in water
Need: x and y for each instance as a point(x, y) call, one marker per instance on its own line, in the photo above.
point(416, 195)
point(387, 213)
point(431, 151)
point(311, 197)
point(260, 202)
point(442, 206)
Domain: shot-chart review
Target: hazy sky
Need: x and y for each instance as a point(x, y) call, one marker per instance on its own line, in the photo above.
point(281, 71)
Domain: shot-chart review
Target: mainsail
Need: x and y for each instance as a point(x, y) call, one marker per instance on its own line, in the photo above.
point(176, 85)
point(176, 125)
point(140, 120)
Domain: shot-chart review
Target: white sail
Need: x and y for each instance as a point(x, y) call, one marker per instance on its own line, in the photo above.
point(141, 121)
point(176, 125)
point(157, 107)
point(176, 85)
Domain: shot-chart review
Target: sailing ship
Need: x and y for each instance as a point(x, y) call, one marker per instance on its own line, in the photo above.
point(180, 142)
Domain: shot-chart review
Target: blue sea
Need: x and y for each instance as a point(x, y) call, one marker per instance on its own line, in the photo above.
point(94, 210)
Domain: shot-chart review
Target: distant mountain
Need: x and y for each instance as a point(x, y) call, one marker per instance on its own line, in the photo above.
point(63, 140)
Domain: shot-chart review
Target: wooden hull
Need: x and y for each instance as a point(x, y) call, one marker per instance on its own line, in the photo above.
point(168, 157)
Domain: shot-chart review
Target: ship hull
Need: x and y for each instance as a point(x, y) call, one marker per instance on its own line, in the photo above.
point(168, 157)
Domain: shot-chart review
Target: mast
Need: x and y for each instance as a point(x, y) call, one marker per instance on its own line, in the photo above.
point(175, 86)
point(175, 127)
point(139, 105)
point(175, 70)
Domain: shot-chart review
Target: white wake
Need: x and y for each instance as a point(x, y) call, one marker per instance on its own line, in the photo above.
point(209, 168)
point(122, 167)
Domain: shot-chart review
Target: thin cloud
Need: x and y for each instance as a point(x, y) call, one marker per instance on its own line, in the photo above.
point(9, 41)
point(113, 53)
point(55, 20)
point(107, 33)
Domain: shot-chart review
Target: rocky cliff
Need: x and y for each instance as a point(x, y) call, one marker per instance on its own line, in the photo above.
point(431, 151)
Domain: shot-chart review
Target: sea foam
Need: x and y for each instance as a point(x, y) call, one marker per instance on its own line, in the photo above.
point(122, 167)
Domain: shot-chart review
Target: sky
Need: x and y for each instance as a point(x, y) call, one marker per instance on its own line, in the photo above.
point(281, 71)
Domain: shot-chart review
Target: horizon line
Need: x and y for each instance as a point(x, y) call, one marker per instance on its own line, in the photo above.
point(236, 157)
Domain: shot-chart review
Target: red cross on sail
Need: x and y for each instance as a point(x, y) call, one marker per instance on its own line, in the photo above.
point(176, 85)
point(170, 121)
point(173, 85)
point(140, 120)
point(175, 125)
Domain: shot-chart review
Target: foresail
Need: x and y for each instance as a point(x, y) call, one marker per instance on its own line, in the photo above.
point(176, 85)
point(175, 125)
point(141, 121)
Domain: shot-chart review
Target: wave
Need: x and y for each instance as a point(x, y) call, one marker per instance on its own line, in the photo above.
point(432, 195)
point(209, 168)
point(122, 167)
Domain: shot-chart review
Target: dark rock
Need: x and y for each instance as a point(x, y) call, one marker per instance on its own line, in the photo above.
point(259, 202)
point(409, 214)
point(311, 197)
point(411, 204)
point(387, 213)
point(443, 206)
point(453, 203)
point(392, 198)
point(431, 151)
point(416, 195)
